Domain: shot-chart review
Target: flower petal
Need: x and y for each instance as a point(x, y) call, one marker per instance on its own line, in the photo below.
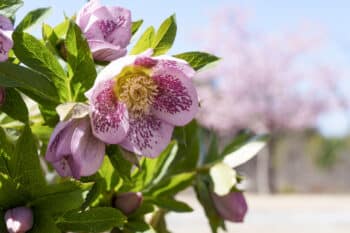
point(67, 167)
point(166, 62)
point(6, 44)
point(5, 24)
point(85, 13)
point(122, 34)
point(87, 150)
point(177, 99)
point(103, 51)
point(147, 136)
point(109, 118)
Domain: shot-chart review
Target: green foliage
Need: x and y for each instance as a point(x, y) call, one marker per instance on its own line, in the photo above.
point(136, 26)
point(145, 42)
point(165, 36)
point(198, 60)
point(14, 106)
point(33, 18)
point(9, 7)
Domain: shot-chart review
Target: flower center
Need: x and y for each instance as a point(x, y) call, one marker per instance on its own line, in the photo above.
point(136, 89)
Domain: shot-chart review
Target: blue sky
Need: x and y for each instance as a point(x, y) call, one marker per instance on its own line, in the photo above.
point(267, 16)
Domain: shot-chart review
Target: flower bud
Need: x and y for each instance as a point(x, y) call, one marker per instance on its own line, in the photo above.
point(128, 202)
point(19, 220)
point(231, 207)
point(2, 96)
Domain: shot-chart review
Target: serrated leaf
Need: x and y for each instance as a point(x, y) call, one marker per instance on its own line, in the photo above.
point(15, 106)
point(197, 60)
point(165, 36)
point(33, 18)
point(82, 72)
point(136, 26)
point(34, 54)
point(145, 42)
point(9, 7)
point(223, 177)
point(94, 220)
point(33, 84)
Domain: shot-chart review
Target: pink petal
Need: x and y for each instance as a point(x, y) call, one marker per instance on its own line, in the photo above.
point(168, 62)
point(87, 150)
point(6, 43)
point(109, 118)
point(103, 51)
point(177, 100)
point(147, 136)
point(85, 13)
point(5, 24)
point(122, 34)
point(67, 167)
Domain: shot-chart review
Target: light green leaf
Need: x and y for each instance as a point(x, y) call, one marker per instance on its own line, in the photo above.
point(14, 106)
point(165, 36)
point(9, 7)
point(94, 220)
point(198, 60)
point(33, 18)
point(145, 42)
point(136, 26)
point(223, 177)
point(82, 72)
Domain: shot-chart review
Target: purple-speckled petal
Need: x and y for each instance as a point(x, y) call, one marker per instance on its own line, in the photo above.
point(166, 62)
point(6, 43)
point(177, 99)
point(19, 219)
point(87, 150)
point(84, 14)
point(122, 33)
point(103, 51)
point(147, 136)
point(109, 118)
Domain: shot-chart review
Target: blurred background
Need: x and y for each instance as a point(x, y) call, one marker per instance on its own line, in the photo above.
point(284, 71)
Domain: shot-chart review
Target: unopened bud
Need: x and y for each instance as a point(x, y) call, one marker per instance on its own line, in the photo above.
point(128, 202)
point(19, 220)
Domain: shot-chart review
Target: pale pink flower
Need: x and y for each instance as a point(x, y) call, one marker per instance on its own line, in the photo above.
point(6, 42)
point(19, 220)
point(73, 150)
point(107, 29)
point(137, 100)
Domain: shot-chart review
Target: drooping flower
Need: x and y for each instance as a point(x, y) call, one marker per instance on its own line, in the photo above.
point(19, 220)
point(2, 96)
point(137, 100)
point(231, 207)
point(107, 29)
point(129, 202)
point(6, 42)
point(73, 150)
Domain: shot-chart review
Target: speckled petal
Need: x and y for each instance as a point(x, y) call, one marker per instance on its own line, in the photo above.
point(147, 136)
point(177, 99)
point(122, 33)
point(109, 118)
point(165, 62)
point(103, 51)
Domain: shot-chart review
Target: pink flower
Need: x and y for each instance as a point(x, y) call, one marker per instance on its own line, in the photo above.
point(73, 150)
point(6, 42)
point(19, 220)
point(2, 96)
point(232, 207)
point(107, 29)
point(137, 100)
point(128, 203)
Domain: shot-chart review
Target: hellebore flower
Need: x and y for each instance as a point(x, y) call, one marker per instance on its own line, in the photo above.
point(137, 100)
point(107, 29)
point(6, 42)
point(231, 207)
point(19, 220)
point(73, 150)
point(128, 203)
point(2, 96)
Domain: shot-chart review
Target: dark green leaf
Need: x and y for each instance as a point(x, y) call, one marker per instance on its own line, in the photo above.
point(33, 18)
point(145, 42)
point(198, 60)
point(14, 106)
point(9, 7)
point(169, 203)
point(11, 195)
point(136, 26)
point(6, 150)
point(238, 141)
point(43, 222)
point(94, 220)
point(165, 36)
point(82, 72)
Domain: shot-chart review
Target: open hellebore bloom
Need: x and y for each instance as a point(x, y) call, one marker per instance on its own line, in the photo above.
point(128, 203)
point(2, 96)
point(19, 220)
point(231, 207)
point(137, 100)
point(107, 29)
point(6, 43)
point(73, 150)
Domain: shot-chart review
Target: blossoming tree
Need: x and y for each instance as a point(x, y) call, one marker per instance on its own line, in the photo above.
point(103, 149)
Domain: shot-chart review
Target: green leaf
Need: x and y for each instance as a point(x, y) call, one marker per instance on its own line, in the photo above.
point(165, 36)
point(136, 26)
point(35, 55)
point(94, 220)
point(82, 72)
point(14, 106)
point(24, 163)
point(66, 196)
point(145, 42)
point(33, 18)
point(121, 166)
point(238, 141)
point(212, 154)
point(198, 60)
point(6, 150)
point(173, 184)
point(33, 84)
point(43, 222)
point(10, 193)
point(108, 174)
point(9, 7)
point(169, 203)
